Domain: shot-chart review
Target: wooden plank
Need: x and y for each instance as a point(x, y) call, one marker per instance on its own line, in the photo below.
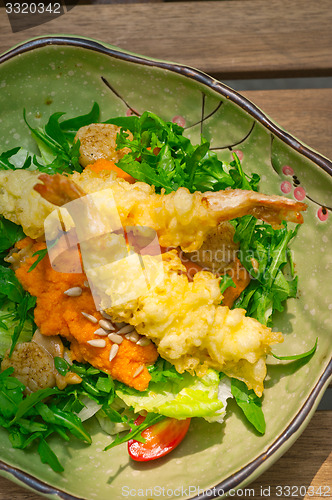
point(230, 39)
point(307, 463)
point(305, 113)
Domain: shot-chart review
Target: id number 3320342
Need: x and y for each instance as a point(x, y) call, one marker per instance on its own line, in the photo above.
point(33, 8)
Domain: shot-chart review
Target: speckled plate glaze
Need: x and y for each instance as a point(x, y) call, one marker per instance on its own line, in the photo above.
point(68, 74)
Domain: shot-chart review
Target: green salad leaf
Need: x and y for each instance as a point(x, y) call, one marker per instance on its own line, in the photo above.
point(70, 127)
point(12, 291)
point(162, 156)
point(264, 252)
point(6, 164)
point(163, 371)
point(188, 396)
point(8, 322)
point(57, 153)
point(10, 233)
point(136, 431)
point(250, 404)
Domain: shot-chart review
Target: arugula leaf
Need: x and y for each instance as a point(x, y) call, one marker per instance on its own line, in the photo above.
point(267, 248)
point(136, 431)
point(11, 288)
point(42, 416)
point(53, 415)
point(5, 164)
point(162, 156)
point(71, 126)
point(26, 305)
point(61, 365)
point(8, 322)
point(10, 233)
point(58, 153)
point(225, 282)
point(47, 456)
point(30, 401)
point(11, 394)
point(163, 371)
point(306, 354)
point(249, 403)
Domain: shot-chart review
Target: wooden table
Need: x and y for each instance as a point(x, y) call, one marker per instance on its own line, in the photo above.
point(230, 39)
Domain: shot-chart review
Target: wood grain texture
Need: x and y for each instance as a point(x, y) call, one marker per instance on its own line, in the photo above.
point(229, 39)
point(307, 463)
point(305, 113)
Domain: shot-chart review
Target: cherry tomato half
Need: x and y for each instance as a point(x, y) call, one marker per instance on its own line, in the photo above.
point(160, 439)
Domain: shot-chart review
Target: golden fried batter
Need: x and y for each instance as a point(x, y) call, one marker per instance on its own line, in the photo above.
point(193, 332)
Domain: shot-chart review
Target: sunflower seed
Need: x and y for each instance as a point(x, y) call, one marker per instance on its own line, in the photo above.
point(117, 339)
point(143, 341)
point(101, 332)
point(105, 315)
point(120, 325)
point(133, 337)
point(113, 351)
point(138, 371)
point(107, 325)
point(89, 317)
point(76, 291)
point(126, 329)
point(97, 342)
point(86, 284)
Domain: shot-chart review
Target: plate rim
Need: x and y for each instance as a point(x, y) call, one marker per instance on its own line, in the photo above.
point(298, 423)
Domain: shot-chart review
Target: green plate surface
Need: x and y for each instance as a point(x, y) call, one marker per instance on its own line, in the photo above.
point(68, 74)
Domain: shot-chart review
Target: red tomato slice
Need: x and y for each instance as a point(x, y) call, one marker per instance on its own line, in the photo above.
point(161, 438)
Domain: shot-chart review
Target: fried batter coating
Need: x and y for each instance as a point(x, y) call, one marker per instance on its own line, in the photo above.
point(193, 332)
point(20, 203)
point(98, 140)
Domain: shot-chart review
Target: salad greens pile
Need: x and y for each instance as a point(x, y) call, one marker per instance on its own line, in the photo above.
point(160, 155)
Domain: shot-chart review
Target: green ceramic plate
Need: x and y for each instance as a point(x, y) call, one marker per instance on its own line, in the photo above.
point(68, 74)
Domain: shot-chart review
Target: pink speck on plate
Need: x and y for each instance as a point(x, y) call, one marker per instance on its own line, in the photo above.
point(238, 153)
point(286, 187)
point(179, 120)
point(299, 193)
point(322, 214)
point(287, 170)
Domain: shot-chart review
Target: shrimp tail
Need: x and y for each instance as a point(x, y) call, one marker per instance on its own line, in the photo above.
point(230, 204)
point(58, 189)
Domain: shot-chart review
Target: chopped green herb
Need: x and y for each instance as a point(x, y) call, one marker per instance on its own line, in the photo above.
point(41, 254)
point(225, 282)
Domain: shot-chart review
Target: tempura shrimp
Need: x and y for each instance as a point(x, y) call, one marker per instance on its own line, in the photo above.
point(180, 218)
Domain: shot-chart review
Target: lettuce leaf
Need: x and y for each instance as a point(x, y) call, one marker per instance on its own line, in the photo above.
point(189, 396)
